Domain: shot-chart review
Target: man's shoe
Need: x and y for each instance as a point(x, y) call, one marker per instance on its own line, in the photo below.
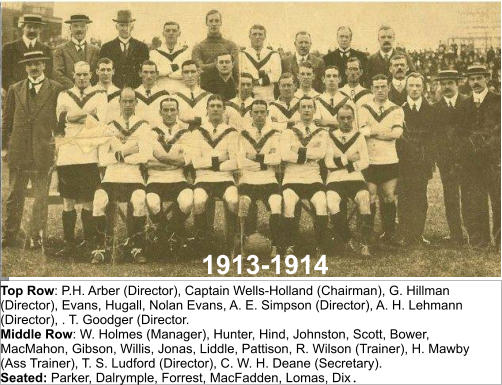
point(67, 251)
point(365, 251)
point(35, 243)
point(273, 252)
point(138, 256)
point(98, 256)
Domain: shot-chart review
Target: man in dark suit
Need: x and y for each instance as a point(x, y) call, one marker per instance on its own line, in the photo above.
point(480, 135)
point(126, 52)
point(14, 51)
point(416, 161)
point(291, 64)
point(75, 50)
point(28, 121)
point(398, 69)
point(379, 62)
point(220, 80)
point(339, 56)
point(447, 122)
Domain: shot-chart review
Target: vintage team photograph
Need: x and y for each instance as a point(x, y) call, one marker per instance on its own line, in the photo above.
point(250, 139)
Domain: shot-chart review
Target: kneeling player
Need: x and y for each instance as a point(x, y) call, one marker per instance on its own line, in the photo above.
point(123, 156)
point(258, 154)
point(346, 156)
point(214, 148)
point(166, 179)
point(302, 147)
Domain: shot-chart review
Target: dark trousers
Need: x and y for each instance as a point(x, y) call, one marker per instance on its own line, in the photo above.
point(412, 204)
point(18, 183)
point(479, 183)
point(451, 191)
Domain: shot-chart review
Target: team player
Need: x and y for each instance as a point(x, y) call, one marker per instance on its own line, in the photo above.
point(259, 155)
point(166, 179)
point(214, 147)
point(149, 94)
point(346, 157)
point(238, 108)
point(80, 110)
point(104, 72)
point(192, 99)
point(381, 121)
point(285, 108)
point(306, 79)
point(169, 57)
point(303, 145)
point(123, 155)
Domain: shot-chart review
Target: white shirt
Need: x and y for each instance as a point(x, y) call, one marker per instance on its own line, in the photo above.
point(451, 101)
point(300, 59)
point(311, 94)
point(29, 43)
point(78, 44)
point(417, 103)
point(169, 65)
point(189, 107)
point(478, 98)
point(233, 112)
point(399, 84)
point(148, 106)
point(124, 42)
point(344, 53)
point(38, 80)
point(389, 54)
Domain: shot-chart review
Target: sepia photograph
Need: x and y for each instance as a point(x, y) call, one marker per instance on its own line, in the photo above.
point(154, 139)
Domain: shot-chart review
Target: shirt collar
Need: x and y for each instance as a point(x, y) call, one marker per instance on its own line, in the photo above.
point(141, 89)
point(237, 100)
point(75, 41)
point(37, 80)
point(291, 103)
point(125, 41)
point(132, 120)
point(312, 93)
point(398, 84)
point(344, 51)
point(300, 58)
point(76, 90)
point(480, 97)
point(388, 53)
point(417, 102)
point(28, 42)
point(164, 127)
point(164, 48)
point(452, 100)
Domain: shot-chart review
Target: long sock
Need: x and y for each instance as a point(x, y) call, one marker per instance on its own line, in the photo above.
point(157, 219)
point(290, 230)
point(232, 228)
point(339, 226)
point(178, 221)
point(100, 230)
point(138, 227)
point(366, 228)
point(200, 224)
point(373, 209)
point(87, 226)
point(69, 220)
point(389, 218)
point(320, 228)
point(274, 223)
point(252, 219)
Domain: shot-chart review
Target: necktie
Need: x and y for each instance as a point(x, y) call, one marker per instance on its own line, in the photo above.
point(124, 47)
point(33, 90)
point(450, 105)
point(148, 93)
point(193, 97)
point(81, 93)
point(127, 125)
point(477, 102)
point(352, 94)
point(344, 139)
point(332, 102)
point(414, 107)
point(80, 47)
point(31, 46)
point(381, 110)
point(243, 108)
point(258, 55)
point(287, 105)
point(386, 57)
point(307, 130)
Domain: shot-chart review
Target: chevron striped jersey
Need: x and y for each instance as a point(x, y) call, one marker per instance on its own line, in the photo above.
point(169, 65)
point(192, 107)
point(327, 106)
point(148, 106)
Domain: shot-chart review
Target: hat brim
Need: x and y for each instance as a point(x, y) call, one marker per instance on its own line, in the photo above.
point(43, 58)
point(485, 73)
point(32, 22)
point(449, 77)
point(87, 21)
point(124, 21)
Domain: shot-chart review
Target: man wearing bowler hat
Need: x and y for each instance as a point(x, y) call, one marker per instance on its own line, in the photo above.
point(28, 120)
point(126, 52)
point(480, 162)
point(75, 50)
point(14, 51)
point(447, 122)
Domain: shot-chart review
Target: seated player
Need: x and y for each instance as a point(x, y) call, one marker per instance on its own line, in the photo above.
point(149, 94)
point(381, 121)
point(285, 108)
point(302, 147)
point(259, 153)
point(166, 179)
point(123, 156)
point(81, 111)
point(213, 155)
point(346, 157)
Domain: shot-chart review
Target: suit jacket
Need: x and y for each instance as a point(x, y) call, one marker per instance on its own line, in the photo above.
point(397, 97)
point(378, 65)
point(12, 52)
point(290, 64)
point(211, 81)
point(66, 55)
point(335, 58)
point(415, 147)
point(127, 67)
point(28, 124)
point(447, 122)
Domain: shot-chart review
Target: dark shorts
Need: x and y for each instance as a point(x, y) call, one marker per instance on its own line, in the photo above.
point(381, 173)
point(78, 181)
point(121, 192)
point(304, 191)
point(347, 189)
point(214, 189)
point(259, 191)
point(168, 192)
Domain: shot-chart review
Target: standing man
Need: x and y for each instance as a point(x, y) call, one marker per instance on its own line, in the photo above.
point(291, 64)
point(302, 147)
point(305, 81)
point(80, 111)
point(416, 162)
point(262, 63)
point(149, 94)
point(480, 133)
point(340, 56)
point(447, 116)
point(220, 80)
point(28, 122)
point(398, 70)
point(238, 108)
point(169, 57)
point(205, 52)
point(14, 51)
point(381, 121)
point(126, 52)
point(379, 62)
point(285, 108)
point(76, 50)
